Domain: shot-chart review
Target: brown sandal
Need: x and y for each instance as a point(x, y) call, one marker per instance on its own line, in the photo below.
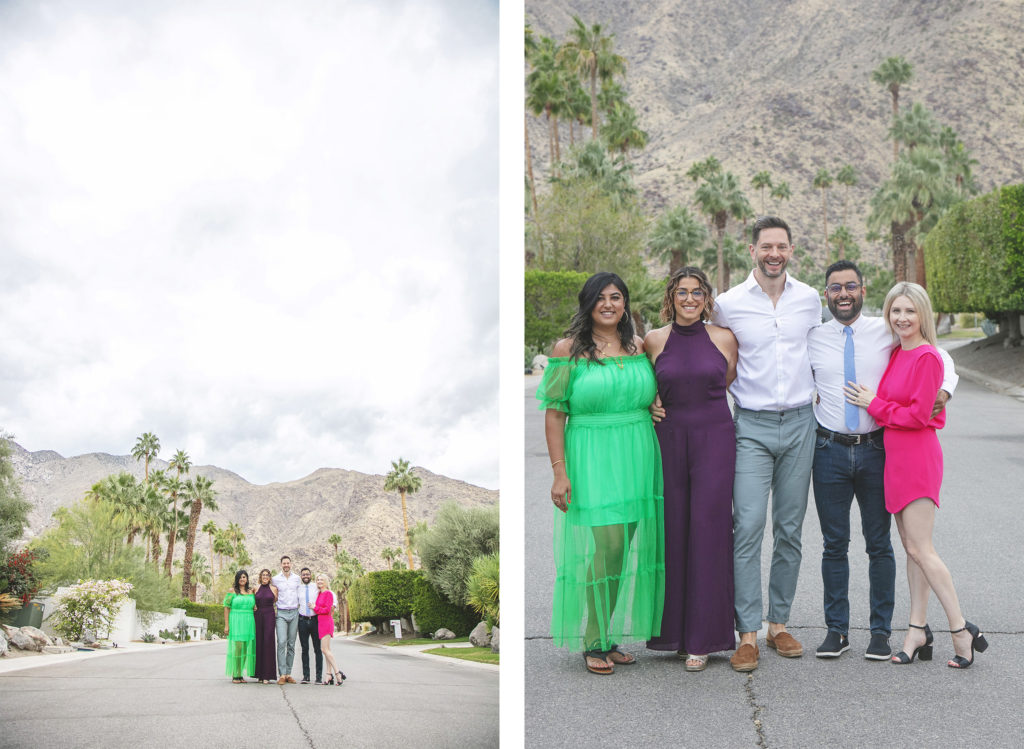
point(627, 659)
point(601, 655)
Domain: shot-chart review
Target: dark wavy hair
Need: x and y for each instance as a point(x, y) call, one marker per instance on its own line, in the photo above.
point(668, 306)
point(238, 576)
point(581, 327)
point(259, 577)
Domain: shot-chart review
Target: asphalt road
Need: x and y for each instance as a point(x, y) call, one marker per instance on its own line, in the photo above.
point(180, 697)
point(811, 702)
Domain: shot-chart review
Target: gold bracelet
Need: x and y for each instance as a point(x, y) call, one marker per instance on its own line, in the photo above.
point(557, 462)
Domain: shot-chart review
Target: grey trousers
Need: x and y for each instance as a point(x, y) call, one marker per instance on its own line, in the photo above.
point(287, 625)
point(774, 454)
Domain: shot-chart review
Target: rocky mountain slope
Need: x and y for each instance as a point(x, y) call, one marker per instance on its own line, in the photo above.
point(294, 518)
point(786, 87)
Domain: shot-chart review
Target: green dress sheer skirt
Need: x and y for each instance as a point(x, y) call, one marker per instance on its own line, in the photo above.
point(241, 635)
point(609, 547)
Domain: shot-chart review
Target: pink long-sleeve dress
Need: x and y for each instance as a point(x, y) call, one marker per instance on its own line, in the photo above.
point(913, 456)
point(325, 619)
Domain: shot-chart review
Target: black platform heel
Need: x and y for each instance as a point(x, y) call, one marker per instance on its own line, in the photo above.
point(925, 651)
point(978, 642)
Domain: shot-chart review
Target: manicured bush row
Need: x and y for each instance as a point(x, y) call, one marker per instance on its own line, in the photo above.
point(975, 255)
point(378, 597)
point(550, 302)
point(213, 613)
point(434, 611)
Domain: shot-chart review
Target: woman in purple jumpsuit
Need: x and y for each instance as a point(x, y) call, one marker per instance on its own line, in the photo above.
point(266, 642)
point(694, 363)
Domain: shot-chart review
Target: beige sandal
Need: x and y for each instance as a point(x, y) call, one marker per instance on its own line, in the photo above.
point(699, 662)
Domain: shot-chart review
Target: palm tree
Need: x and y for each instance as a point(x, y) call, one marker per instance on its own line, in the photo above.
point(621, 132)
point(589, 55)
point(529, 47)
point(181, 464)
point(734, 256)
point(198, 492)
point(546, 90)
point(210, 529)
point(155, 516)
point(823, 181)
point(676, 234)
point(913, 199)
point(762, 181)
point(843, 238)
point(348, 571)
point(892, 74)
point(146, 447)
point(847, 177)
point(402, 480)
point(223, 547)
point(388, 555)
point(718, 197)
point(124, 492)
point(915, 127)
point(591, 161)
point(781, 191)
point(334, 540)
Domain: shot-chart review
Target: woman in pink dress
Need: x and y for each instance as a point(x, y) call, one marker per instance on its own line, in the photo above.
point(913, 468)
point(324, 608)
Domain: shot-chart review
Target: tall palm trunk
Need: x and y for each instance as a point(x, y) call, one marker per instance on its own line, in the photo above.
point(529, 166)
point(171, 536)
point(824, 218)
point(593, 101)
point(405, 519)
point(190, 540)
point(720, 219)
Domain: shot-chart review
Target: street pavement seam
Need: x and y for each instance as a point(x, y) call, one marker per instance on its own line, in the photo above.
point(748, 687)
point(298, 721)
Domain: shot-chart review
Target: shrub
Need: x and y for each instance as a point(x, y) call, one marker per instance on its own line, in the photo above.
point(550, 301)
point(483, 587)
point(93, 604)
point(18, 576)
point(380, 596)
point(149, 637)
point(449, 546)
point(213, 613)
point(434, 611)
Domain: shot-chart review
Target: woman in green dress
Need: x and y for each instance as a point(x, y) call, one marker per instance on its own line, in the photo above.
point(240, 628)
point(607, 488)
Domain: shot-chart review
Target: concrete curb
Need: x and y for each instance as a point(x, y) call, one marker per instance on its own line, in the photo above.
point(416, 651)
point(20, 663)
point(992, 383)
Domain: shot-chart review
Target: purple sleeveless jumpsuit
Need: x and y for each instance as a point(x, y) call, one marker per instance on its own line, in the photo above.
point(698, 454)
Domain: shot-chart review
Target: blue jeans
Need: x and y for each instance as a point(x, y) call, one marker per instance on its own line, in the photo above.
point(840, 473)
point(287, 626)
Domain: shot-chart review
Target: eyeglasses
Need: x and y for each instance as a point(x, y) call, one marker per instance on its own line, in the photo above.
point(835, 288)
point(697, 294)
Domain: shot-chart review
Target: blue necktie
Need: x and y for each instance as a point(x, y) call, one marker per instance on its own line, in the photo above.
point(308, 612)
point(850, 375)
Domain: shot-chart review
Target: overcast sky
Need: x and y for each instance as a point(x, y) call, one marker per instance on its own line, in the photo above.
point(266, 232)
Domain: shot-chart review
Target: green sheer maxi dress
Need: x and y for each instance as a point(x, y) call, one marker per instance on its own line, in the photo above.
point(609, 546)
point(241, 635)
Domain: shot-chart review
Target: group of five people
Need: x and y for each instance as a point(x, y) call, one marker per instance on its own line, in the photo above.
point(658, 531)
point(262, 621)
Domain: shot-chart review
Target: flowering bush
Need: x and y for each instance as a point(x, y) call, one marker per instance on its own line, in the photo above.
point(17, 576)
point(93, 604)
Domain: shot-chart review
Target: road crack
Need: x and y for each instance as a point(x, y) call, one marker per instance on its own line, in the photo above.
point(758, 712)
point(298, 722)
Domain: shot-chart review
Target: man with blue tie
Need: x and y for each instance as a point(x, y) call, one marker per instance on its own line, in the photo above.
point(308, 626)
point(849, 458)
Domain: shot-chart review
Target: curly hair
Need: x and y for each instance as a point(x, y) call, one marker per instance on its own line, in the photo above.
point(581, 327)
point(238, 576)
point(668, 306)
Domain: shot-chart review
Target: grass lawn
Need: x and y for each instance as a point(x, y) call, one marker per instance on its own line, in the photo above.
point(422, 641)
point(480, 655)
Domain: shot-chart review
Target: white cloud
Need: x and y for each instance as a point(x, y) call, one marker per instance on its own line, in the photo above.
point(265, 232)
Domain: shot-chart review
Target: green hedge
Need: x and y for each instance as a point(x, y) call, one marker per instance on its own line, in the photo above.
point(551, 299)
point(379, 596)
point(434, 611)
point(975, 255)
point(211, 612)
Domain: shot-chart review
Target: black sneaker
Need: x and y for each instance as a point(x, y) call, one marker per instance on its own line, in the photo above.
point(879, 649)
point(305, 680)
point(834, 645)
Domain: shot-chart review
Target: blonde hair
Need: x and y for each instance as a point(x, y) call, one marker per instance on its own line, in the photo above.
point(922, 304)
point(322, 576)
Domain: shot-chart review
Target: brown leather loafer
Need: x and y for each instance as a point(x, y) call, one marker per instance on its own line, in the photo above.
point(289, 679)
point(785, 644)
point(281, 680)
point(745, 658)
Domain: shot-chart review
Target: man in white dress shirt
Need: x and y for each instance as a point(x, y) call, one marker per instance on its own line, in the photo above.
point(287, 623)
point(308, 625)
point(849, 458)
point(770, 314)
